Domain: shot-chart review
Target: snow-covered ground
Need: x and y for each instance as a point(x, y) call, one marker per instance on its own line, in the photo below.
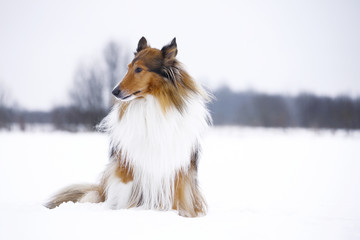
point(259, 184)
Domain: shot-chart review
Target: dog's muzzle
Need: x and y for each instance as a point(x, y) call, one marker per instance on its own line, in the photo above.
point(120, 94)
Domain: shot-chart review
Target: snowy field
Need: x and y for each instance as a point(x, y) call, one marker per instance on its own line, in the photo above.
point(259, 184)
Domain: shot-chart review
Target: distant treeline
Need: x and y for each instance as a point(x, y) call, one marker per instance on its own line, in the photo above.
point(68, 118)
point(229, 108)
point(89, 101)
point(271, 110)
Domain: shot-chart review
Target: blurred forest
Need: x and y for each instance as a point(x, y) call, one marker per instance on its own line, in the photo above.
point(305, 110)
point(90, 100)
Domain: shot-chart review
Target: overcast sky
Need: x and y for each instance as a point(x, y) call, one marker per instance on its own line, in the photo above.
point(273, 46)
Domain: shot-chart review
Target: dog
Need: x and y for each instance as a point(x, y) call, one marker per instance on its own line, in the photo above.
point(155, 129)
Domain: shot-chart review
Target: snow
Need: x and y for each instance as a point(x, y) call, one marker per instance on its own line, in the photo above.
point(259, 184)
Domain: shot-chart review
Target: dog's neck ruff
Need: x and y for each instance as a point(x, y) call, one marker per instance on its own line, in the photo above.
point(156, 144)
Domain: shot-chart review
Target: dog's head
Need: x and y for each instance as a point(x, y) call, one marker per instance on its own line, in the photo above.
point(148, 73)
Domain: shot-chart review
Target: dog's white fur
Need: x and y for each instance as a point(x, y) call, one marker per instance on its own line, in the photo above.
point(156, 144)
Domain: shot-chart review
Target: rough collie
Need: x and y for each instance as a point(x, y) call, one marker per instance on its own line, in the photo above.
point(155, 129)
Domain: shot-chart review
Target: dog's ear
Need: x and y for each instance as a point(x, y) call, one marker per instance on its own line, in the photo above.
point(169, 51)
point(142, 45)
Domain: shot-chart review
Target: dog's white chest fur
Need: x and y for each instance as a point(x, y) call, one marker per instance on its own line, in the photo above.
point(156, 145)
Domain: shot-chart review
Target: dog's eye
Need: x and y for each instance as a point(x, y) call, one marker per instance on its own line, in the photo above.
point(137, 70)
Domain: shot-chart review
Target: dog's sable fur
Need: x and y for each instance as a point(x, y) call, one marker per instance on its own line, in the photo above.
point(155, 130)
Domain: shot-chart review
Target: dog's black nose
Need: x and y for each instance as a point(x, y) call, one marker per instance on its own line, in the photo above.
point(116, 92)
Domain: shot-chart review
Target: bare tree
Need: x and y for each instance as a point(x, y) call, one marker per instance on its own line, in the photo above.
point(88, 88)
point(87, 106)
point(6, 114)
point(2, 96)
point(90, 95)
point(116, 60)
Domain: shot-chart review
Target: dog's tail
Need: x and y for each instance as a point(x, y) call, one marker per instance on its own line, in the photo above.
point(77, 193)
